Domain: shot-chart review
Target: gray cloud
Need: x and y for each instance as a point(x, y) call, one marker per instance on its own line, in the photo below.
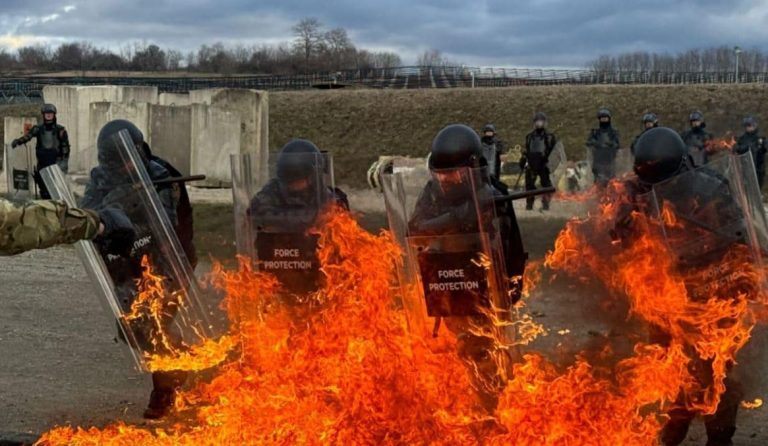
point(489, 32)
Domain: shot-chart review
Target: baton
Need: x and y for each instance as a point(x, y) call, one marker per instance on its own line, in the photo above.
point(179, 179)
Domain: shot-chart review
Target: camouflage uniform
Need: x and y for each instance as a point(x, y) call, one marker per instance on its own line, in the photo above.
point(42, 224)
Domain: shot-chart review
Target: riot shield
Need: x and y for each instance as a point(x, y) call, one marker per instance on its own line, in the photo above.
point(454, 263)
point(245, 184)
point(147, 283)
point(708, 214)
point(715, 229)
point(452, 275)
point(20, 167)
point(557, 163)
point(274, 224)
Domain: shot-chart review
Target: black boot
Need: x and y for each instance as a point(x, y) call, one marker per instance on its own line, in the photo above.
point(160, 403)
point(164, 386)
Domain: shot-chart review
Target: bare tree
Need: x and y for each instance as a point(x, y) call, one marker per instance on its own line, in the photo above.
point(150, 58)
point(174, 58)
point(308, 34)
point(339, 49)
point(430, 58)
point(34, 57)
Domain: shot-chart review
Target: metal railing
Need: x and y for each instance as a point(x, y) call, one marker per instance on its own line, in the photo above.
point(29, 88)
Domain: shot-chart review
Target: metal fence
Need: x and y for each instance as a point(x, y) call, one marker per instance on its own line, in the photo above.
point(29, 89)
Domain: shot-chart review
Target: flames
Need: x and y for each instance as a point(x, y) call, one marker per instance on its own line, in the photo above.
point(348, 369)
point(724, 144)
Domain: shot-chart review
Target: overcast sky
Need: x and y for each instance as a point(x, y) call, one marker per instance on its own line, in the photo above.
point(549, 33)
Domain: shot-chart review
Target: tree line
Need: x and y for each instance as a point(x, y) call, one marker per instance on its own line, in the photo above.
point(717, 59)
point(313, 49)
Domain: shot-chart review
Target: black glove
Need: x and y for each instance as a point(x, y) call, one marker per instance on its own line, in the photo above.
point(15, 143)
point(119, 233)
point(523, 161)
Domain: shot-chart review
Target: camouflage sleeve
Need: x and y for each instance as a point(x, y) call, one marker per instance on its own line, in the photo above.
point(33, 132)
point(42, 224)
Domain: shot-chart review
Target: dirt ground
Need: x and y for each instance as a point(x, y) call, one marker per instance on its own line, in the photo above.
point(60, 364)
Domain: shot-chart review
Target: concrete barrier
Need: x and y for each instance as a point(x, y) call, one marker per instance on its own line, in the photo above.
point(177, 99)
point(20, 160)
point(170, 135)
point(252, 109)
point(101, 113)
point(127, 94)
point(215, 135)
point(73, 104)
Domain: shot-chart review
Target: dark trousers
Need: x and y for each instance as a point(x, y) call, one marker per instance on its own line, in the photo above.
point(720, 426)
point(530, 183)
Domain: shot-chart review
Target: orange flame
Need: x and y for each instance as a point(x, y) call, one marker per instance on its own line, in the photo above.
point(725, 144)
point(352, 371)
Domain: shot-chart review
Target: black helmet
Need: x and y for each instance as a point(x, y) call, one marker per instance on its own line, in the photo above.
point(650, 117)
point(456, 145)
point(696, 116)
point(48, 108)
point(749, 120)
point(292, 166)
point(106, 143)
point(659, 154)
point(603, 113)
point(539, 116)
point(489, 128)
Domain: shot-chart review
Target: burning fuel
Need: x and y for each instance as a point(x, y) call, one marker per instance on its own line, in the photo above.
point(346, 368)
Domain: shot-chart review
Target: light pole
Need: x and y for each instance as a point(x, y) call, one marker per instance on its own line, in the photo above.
point(737, 50)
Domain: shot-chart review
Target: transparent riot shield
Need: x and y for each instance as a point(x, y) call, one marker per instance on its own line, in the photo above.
point(452, 275)
point(145, 280)
point(715, 229)
point(557, 164)
point(448, 229)
point(245, 184)
point(274, 224)
point(708, 216)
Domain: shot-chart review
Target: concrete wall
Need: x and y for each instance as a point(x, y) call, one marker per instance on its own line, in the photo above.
point(215, 135)
point(177, 99)
point(252, 109)
point(73, 104)
point(21, 158)
point(128, 94)
point(170, 135)
point(196, 138)
point(101, 113)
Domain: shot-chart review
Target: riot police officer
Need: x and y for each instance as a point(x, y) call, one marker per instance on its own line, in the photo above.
point(109, 188)
point(603, 143)
point(697, 138)
point(752, 142)
point(493, 148)
point(649, 121)
point(539, 144)
point(448, 205)
point(52, 145)
point(661, 155)
point(284, 210)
